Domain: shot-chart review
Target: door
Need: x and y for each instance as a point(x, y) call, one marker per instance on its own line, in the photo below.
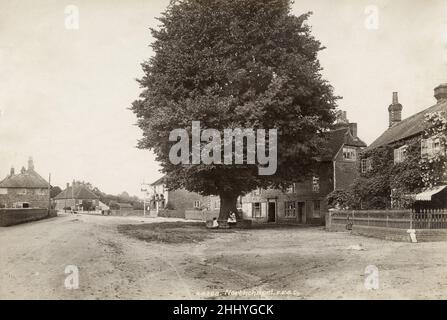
point(301, 212)
point(271, 212)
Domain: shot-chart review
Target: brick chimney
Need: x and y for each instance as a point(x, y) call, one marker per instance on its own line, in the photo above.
point(441, 92)
point(12, 171)
point(395, 110)
point(341, 117)
point(30, 164)
point(353, 129)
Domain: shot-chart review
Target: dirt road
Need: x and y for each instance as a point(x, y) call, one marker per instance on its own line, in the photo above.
point(289, 263)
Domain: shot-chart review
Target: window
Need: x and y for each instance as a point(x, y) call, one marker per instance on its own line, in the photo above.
point(290, 209)
point(366, 165)
point(3, 191)
point(430, 147)
point(217, 204)
point(256, 192)
point(291, 189)
point(316, 210)
point(349, 154)
point(399, 154)
point(316, 184)
point(21, 191)
point(196, 203)
point(256, 213)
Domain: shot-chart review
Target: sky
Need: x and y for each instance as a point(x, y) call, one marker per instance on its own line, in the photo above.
point(65, 93)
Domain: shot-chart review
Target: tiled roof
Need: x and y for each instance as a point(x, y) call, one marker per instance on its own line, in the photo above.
point(339, 137)
point(26, 180)
point(408, 127)
point(79, 192)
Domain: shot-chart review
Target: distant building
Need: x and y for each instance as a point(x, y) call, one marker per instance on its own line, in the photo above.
point(180, 200)
point(77, 197)
point(305, 202)
point(26, 189)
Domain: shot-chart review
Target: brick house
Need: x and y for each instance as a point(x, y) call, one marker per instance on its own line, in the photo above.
point(178, 201)
point(305, 202)
point(77, 197)
point(26, 189)
point(402, 133)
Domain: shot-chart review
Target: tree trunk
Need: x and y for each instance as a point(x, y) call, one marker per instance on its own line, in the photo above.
point(227, 204)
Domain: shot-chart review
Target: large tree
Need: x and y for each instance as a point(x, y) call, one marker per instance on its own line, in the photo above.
point(234, 64)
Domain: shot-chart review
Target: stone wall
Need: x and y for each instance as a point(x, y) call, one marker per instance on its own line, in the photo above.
point(9, 217)
point(201, 215)
point(172, 213)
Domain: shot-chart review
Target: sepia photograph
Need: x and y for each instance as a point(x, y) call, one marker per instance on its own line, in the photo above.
point(224, 155)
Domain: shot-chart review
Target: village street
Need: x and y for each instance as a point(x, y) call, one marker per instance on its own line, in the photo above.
point(307, 262)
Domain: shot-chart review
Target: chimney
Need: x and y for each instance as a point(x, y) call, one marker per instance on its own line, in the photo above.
point(30, 164)
point(441, 92)
point(341, 117)
point(395, 110)
point(12, 171)
point(68, 185)
point(353, 129)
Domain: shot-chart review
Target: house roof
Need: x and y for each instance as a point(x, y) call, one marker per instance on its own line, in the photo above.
point(28, 179)
point(79, 192)
point(339, 137)
point(408, 127)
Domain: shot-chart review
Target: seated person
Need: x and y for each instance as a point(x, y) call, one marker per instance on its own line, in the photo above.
point(215, 224)
point(232, 220)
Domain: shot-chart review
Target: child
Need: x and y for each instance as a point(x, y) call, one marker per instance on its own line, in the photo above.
point(232, 220)
point(215, 224)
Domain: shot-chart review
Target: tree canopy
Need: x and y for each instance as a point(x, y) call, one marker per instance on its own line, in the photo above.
point(234, 64)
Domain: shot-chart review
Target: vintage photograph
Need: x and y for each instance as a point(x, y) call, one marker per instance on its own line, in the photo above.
point(223, 150)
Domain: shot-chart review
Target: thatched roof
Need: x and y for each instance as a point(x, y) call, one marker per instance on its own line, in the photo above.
point(27, 179)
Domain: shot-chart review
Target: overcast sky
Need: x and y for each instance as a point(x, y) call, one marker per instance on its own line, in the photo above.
point(64, 93)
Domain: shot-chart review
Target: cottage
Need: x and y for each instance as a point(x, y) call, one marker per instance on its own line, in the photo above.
point(76, 197)
point(176, 202)
point(305, 202)
point(26, 189)
point(402, 133)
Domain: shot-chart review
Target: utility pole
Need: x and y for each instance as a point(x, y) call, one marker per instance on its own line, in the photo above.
point(49, 193)
point(144, 190)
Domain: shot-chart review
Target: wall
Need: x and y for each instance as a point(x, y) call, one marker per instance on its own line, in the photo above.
point(128, 212)
point(345, 171)
point(182, 200)
point(9, 217)
point(35, 200)
point(171, 213)
point(201, 215)
point(386, 233)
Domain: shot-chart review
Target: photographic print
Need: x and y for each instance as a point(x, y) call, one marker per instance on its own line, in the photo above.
point(224, 151)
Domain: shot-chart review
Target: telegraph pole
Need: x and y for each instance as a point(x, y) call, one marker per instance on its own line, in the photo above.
point(49, 193)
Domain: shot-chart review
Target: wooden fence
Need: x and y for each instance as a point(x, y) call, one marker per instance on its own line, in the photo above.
point(400, 219)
